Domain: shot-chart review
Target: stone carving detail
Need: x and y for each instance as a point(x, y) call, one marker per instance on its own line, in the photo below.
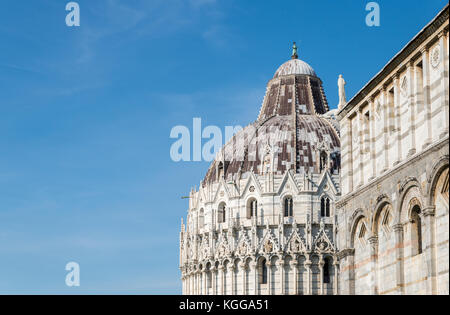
point(296, 244)
point(243, 249)
point(204, 253)
point(404, 86)
point(378, 110)
point(322, 243)
point(267, 160)
point(436, 56)
point(342, 97)
point(223, 248)
point(268, 247)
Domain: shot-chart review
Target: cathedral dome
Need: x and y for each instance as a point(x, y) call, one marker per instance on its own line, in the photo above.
point(294, 128)
point(293, 143)
point(295, 66)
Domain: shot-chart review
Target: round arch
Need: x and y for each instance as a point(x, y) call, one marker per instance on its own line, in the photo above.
point(382, 202)
point(411, 191)
point(434, 176)
point(357, 217)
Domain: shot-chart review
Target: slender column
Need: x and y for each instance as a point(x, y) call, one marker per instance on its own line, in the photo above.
point(336, 276)
point(351, 273)
point(426, 95)
point(397, 110)
point(189, 283)
point(308, 264)
point(412, 108)
point(198, 283)
point(443, 68)
point(243, 267)
point(399, 245)
point(194, 285)
point(349, 156)
point(384, 94)
point(280, 264)
point(183, 289)
point(373, 241)
point(254, 268)
point(213, 280)
point(269, 277)
point(372, 139)
point(222, 279)
point(231, 269)
point(294, 265)
point(205, 284)
point(361, 148)
point(428, 216)
point(321, 284)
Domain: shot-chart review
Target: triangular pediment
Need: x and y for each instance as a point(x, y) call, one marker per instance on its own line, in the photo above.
point(252, 181)
point(269, 243)
point(322, 243)
point(295, 243)
point(243, 247)
point(222, 191)
point(327, 185)
point(288, 184)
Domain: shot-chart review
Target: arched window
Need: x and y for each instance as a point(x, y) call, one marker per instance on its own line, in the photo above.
point(325, 207)
point(326, 270)
point(322, 207)
point(252, 208)
point(221, 214)
point(416, 230)
point(263, 278)
point(288, 207)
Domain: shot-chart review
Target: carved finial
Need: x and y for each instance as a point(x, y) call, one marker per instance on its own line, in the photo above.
point(294, 51)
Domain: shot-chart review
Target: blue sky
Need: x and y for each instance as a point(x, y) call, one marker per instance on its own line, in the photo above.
point(86, 113)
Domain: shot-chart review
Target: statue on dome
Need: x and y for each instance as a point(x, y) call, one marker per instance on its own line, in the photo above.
point(341, 86)
point(294, 51)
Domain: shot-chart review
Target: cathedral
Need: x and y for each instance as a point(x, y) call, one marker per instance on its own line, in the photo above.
point(312, 201)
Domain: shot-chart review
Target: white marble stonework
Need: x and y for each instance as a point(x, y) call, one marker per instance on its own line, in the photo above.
point(308, 200)
point(392, 216)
